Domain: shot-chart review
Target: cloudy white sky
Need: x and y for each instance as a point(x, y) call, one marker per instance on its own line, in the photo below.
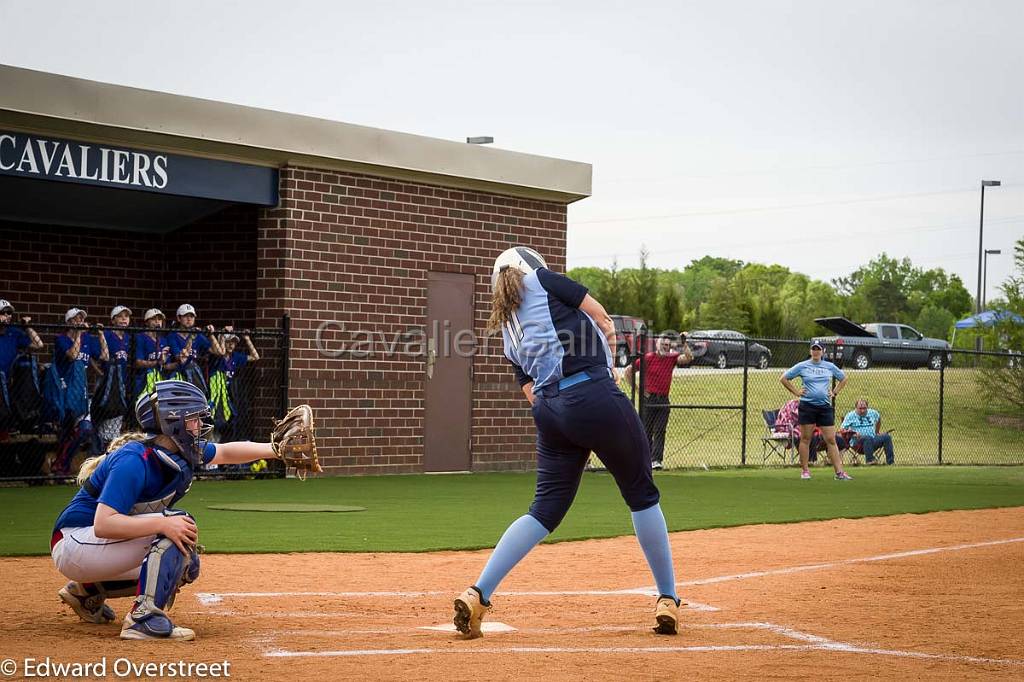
point(811, 133)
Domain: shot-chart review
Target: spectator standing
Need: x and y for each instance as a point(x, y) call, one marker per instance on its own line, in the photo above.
point(815, 407)
point(658, 366)
point(12, 342)
point(222, 381)
point(74, 352)
point(150, 354)
point(187, 346)
point(115, 371)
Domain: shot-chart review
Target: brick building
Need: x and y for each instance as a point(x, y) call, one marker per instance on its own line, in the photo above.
point(378, 245)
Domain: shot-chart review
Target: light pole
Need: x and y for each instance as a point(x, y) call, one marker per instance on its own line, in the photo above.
point(984, 274)
point(981, 230)
point(981, 248)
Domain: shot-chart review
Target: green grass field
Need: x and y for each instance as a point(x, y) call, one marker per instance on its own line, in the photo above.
point(974, 432)
point(422, 512)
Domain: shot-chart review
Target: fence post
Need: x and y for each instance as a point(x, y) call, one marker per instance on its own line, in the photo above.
point(743, 427)
point(942, 396)
point(643, 378)
point(286, 326)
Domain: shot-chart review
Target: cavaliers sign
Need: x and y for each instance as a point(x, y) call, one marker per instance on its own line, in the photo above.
point(47, 158)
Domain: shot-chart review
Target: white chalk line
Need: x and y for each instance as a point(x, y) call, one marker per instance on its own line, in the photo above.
point(814, 643)
point(843, 562)
point(211, 598)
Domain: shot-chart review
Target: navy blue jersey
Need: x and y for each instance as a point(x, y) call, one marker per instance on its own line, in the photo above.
point(549, 337)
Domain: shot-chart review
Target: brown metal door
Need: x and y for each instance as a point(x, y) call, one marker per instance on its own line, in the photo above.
point(449, 376)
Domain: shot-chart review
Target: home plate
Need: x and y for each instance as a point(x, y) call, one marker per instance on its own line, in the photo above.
point(485, 627)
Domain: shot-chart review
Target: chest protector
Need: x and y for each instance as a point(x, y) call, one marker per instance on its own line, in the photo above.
point(178, 482)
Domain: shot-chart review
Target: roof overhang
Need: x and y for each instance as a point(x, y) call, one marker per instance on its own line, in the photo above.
point(79, 109)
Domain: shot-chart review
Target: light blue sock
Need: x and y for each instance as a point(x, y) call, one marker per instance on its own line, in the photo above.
point(522, 536)
point(652, 533)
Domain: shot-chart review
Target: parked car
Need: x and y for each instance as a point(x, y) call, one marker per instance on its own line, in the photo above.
point(724, 348)
point(880, 343)
point(628, 331)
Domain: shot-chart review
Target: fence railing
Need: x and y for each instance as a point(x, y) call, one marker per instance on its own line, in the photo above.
point(53, 415)
point(955, 409)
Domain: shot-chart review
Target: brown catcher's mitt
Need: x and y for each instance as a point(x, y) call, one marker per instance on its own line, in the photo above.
point(294, 442)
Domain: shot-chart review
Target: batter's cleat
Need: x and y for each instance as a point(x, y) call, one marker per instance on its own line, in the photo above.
point(469, 613)
point(805, 475)
point(666, 613)
point(843, 476)
point(88, 604)
point(153, 625)
point(656, 466)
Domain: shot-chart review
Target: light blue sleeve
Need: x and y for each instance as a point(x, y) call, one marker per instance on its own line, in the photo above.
point(794, 371)
point(847, 420)
point(838, 373)
point(875, 417)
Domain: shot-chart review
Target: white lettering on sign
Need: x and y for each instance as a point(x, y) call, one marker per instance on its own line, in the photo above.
point(25, 155)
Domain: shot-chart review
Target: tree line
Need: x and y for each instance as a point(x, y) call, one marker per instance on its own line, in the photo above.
point(772, 301)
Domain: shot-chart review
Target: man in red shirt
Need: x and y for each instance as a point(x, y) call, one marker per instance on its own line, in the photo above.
point(658, 367)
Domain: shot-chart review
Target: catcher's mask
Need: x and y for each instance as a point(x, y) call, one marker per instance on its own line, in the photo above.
point(168, 409)
point(522, 258)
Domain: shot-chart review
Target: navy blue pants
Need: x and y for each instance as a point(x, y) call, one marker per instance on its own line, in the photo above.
point(593, 416)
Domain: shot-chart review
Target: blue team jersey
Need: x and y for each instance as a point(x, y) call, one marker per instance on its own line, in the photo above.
point(129, 475)
point(816, 378)
point(549, 337)
point(12, 340)
point(230, 364)
point(88, 349)
point(146, 348)
point(176, 342)
point(117, 347)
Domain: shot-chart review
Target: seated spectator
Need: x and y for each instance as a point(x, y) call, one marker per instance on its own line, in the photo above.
point(864, 427)
point(150, 354)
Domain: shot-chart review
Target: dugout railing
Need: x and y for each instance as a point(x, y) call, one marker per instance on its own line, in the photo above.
point(42, 440)
point(967, 411)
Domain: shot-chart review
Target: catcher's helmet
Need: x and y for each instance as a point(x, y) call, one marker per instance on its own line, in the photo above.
point(167, 409)
point(522, 258)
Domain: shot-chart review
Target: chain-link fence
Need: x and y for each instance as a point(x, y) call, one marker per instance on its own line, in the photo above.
point(961, 407)
point(63, 403)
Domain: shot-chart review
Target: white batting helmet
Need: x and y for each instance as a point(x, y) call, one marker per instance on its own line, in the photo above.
point(522, 258)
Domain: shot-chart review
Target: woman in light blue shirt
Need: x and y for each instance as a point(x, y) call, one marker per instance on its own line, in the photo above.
point(816, 411)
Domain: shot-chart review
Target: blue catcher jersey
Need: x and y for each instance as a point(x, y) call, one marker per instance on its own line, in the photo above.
point(134, 479)
point(549, 337)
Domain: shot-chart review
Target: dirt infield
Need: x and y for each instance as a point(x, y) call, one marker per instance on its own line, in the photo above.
point(937, 595)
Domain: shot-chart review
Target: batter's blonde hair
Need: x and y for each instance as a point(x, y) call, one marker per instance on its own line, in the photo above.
point(89, 465)
point(508, 295)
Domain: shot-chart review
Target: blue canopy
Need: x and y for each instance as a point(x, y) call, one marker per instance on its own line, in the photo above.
point(988, 318)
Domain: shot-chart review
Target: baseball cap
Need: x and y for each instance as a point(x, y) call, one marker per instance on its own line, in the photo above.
point(6, 306)
point(118, 309)
point(153, 312)
point(230, 337)
point(817, 344)
point(72, 312)
point(186, 309)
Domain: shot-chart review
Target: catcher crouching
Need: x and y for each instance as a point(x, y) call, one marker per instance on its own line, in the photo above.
point(122, 537)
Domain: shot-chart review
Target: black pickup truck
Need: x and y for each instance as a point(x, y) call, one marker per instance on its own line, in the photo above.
point(880, 343)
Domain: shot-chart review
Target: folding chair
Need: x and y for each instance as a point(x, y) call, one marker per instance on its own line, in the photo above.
point(775, 444)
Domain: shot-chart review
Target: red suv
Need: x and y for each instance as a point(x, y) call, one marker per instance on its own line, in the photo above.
point(628, 330)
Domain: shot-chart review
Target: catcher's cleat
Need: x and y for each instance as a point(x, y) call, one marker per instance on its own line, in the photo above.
point(149, 623)
point(469, 613)
point(88, 604)
point(666, 613)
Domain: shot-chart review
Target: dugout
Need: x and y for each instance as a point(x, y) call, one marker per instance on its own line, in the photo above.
point(377, 244)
